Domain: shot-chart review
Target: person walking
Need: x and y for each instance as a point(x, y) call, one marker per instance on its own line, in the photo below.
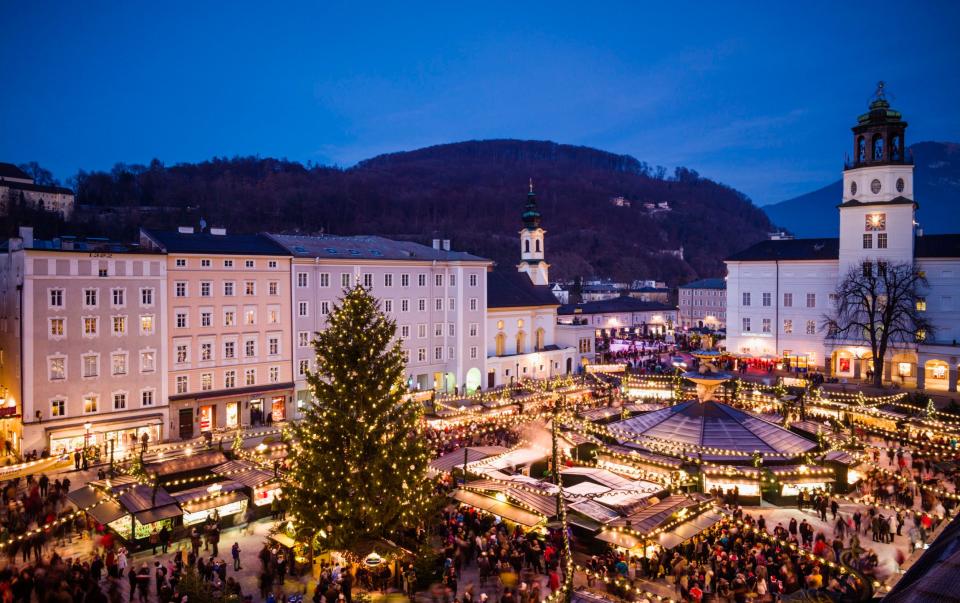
point(235, 553)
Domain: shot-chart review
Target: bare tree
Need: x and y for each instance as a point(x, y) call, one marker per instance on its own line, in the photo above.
point(877, 303)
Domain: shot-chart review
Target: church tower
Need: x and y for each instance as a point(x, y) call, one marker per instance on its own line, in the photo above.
point(532, 243)
point(877, 212)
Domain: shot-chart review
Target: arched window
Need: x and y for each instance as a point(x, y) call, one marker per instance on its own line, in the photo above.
point(895, 148)
point(500, 324)
point(861, 150)
point(877, 148)
point(538, 245)
point(526, 246)
point(540, 336)
point(501, 343)
point(521, 342)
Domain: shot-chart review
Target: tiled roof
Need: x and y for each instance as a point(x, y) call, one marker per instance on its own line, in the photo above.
point(937, 246)
point(365, 247)
point(8, 170)
point(514, 289)
point(897, 201)
point(37, 188)
point(617, 304)
point(707, 283)
point(790, 249)
point(244, 244)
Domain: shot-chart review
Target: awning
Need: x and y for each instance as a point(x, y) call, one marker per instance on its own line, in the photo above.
point(214, 503)
point(84, 497)
point(619, 539)
point(107, 512)
point(496, 507)
point(158, 514)
point(688, 530)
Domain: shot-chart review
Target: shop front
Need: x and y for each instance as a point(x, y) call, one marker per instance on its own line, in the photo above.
point(221, 500)
point(97, 434)
point(227, 411)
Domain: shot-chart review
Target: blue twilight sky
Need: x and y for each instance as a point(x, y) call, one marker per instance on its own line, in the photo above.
point(759, 95)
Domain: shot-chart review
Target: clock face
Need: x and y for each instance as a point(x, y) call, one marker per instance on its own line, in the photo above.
point(900, 185)
point(876, 222)
point(875, 186)
point(853, 188)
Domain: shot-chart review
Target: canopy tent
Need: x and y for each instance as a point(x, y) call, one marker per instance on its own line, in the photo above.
point(453, 460)
point(689, 529)
point(212, 503)
point(188, 463)
point(244, 472)
point(515, 458)
point(497, 507)
point(655, 515)
point(619, 539)
point(599, 476)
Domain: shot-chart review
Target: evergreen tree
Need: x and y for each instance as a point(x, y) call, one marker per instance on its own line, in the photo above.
point(360, 459)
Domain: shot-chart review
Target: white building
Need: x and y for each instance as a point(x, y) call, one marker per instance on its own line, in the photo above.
point(780, 291)
point(437, 297)
point(82, 340)
point(522, 334)
point(18, 188)
point(621, 315)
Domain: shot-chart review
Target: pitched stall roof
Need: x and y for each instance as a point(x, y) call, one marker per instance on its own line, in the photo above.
point(616, 304)
point(516, 290)
point(706, 283)
point(172, 241)
point(364, 247)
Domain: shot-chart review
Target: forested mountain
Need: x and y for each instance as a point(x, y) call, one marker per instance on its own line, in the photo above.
point(936, 188)
point(470, 192)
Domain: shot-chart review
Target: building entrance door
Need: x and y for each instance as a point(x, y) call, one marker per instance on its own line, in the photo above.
point(186, 423)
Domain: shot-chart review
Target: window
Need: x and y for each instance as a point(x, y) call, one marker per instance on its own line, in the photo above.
point(422, 305)
point(438, 329)
point(388, 305)
point(881, 269)
point(118, 364)
point(787, 326)
point(90, 324)
point(206, 381)
point(746, 325)
point(405, 332)
point(119, 401)
point(205, 263)
point(746, 298)
point(181, 320)
point(404, 280)
point(303, 367)
point(182, 353)
point(811, 327)
point(272, 264)
point(147, 361)
point(868, 241)
point(90, 404)
point(881, 240)
point(146, 297)
point(303, 339)
point(229, 349)
point(249, 288)
point(250, 316)
point(324, 308)
point(119, 325)
point(765, 325)
point(438, 278)
point(422, 331)
point(453, 280)
point(473, 303)
point(451, 330)
point(421, 280)
point(90, 298)
point(439, 304)
point(91, 365)
point(102, 272)
point(249, 264)
point(324, 279)
point(345, 280)
point(302, 308)
point(274, 374)
point(229, 318)
point(302, 279)
point(811, 300)
point(180, 289)
point(118, 297)
point(250, 376)
point(474, 329)
point(421, 354)
point(206, 351)
point(787, 300)
point(228, 263)
point(181, 263)
point(273, 288)
point(273, 346)
point(56, 300)
point(438, 353)
point(473, 280)
point(58, 407)
point(404, 305)
point(368, 280)
point(273, 316)
point(228, 288)
point(230, 379)
point(867, 269)
point(388, 280)
point(57, 327)
point(451, 304)
point(182, 384)
point(250, 348)
point(765, 299)
point(473, 352)
point(205, 288)
point(57, 368)
point(146, 397)
point(206, 318)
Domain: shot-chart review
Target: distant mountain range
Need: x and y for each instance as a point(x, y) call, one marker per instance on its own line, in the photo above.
point(605, 214)
point(936, 187)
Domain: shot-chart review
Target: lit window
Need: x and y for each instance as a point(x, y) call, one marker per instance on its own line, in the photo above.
point(119, 364)
point(206, 381)
point(250, 288)
point(787, 326)
point(119, 325)
point(57, 327)
point(58, 407)
point(58, 369)
point(90, 326)
point(147, 361)
point(90, 404)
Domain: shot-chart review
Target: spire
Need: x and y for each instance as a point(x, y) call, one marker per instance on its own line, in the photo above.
point(531, 215)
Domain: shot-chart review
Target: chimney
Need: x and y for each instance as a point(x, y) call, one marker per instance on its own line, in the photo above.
point(218, 232)
point(185, 229)
point(436, 243)
point(446, 244)
point(26, 233)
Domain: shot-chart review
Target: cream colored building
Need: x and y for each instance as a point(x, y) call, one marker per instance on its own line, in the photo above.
point(17, 187)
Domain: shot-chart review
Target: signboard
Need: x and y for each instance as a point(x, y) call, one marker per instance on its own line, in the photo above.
point(238, 506)
point(606, 368)
point(206, 418)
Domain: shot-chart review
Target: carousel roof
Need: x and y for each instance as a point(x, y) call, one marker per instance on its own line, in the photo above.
point(714, 425)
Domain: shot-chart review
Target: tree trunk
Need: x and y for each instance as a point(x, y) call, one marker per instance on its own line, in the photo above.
point(877, 371)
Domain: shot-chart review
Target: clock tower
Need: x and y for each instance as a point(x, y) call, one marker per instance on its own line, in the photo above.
point(877, 212)
point(532, 243)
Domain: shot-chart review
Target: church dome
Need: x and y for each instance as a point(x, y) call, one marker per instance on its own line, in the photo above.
point(531, 215)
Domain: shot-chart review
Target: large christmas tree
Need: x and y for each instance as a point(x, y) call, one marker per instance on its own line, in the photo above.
point(359, 461)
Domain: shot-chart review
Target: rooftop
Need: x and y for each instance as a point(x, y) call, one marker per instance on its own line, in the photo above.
point(926, 246)
point(507, 289)
point(8, 170)
point(364, 247)
point(617, 304)
point(707, 283)
point(209, 243)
